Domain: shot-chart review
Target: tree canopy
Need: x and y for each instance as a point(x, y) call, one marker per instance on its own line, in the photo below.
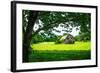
point(47, 20)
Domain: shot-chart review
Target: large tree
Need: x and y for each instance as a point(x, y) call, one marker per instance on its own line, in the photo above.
point(47, 21)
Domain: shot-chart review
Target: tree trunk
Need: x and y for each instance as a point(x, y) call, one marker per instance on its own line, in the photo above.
point(27, 35)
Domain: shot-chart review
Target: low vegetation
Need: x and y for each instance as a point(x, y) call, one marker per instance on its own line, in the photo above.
point(49, 51)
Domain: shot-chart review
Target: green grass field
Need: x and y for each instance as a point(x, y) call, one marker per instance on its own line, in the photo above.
point(49, 51)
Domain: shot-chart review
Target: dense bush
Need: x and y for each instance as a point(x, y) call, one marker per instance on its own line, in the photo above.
point(44, 38)
point(83, 37)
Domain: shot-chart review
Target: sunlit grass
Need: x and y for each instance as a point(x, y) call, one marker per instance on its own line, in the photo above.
point(53, 46)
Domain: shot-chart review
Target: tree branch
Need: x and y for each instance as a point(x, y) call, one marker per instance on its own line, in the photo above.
point(45, 28)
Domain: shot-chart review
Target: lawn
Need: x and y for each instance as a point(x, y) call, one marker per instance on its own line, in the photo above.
point(49, 51)
point(53, 46)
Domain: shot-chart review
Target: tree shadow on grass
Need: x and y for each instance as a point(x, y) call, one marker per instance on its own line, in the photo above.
point(44, 56)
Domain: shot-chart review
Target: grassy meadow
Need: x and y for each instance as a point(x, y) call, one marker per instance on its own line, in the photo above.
point(49, 51)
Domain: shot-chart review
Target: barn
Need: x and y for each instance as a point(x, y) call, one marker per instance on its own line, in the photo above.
point(67, 39)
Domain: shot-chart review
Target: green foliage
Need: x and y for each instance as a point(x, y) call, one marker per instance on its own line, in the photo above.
point(83, 37)
point(50, 19)
point(37, 38)
point(53, 19)
point(44, 37)
point(77, 38)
